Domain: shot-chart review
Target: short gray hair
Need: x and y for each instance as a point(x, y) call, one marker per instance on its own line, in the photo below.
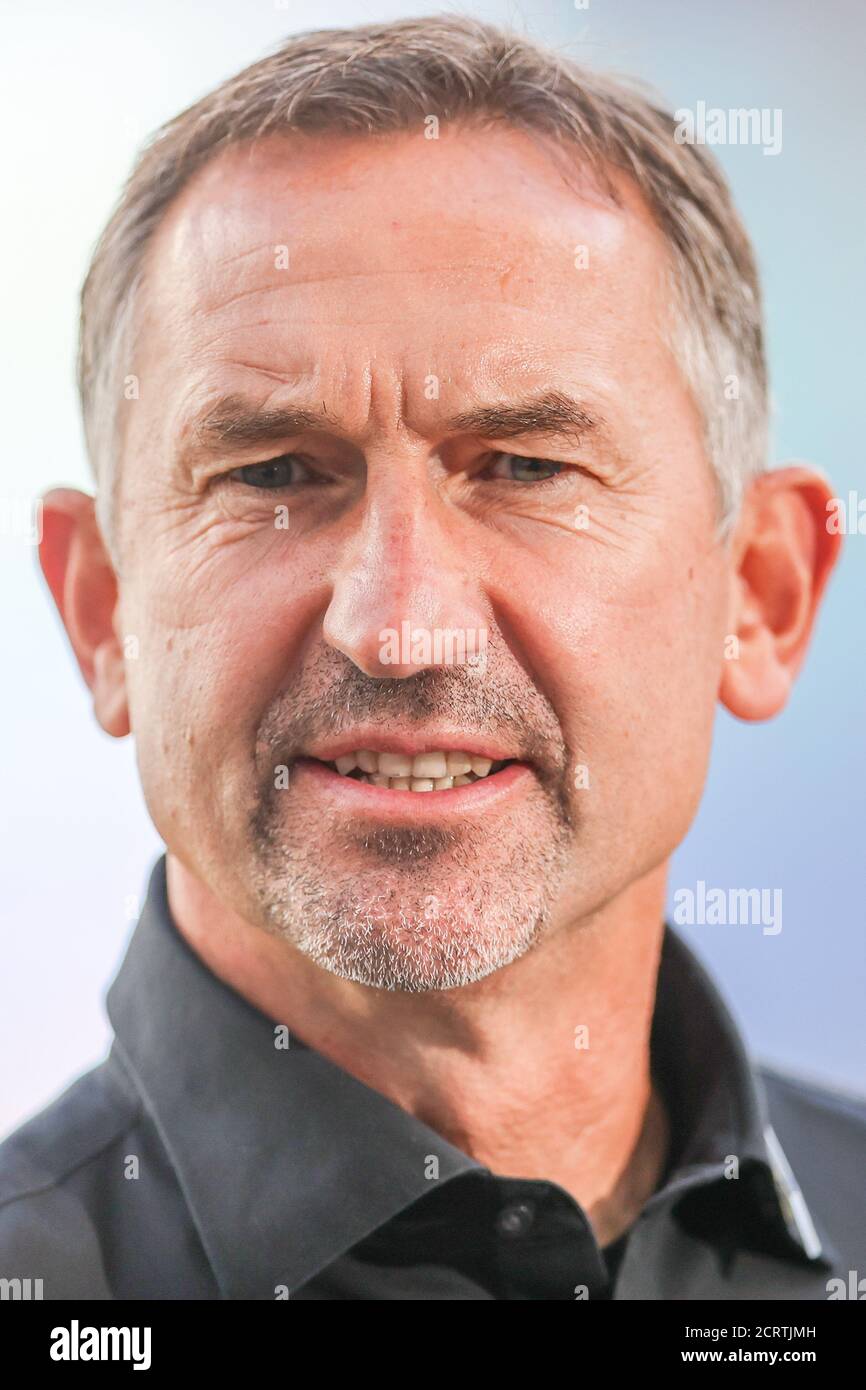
point(378, 78)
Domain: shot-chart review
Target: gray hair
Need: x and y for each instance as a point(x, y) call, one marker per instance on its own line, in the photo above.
point(379, 78)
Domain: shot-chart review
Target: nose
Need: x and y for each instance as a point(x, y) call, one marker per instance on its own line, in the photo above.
point(405, 596)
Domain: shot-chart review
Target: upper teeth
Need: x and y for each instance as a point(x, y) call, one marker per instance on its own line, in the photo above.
point(435, 771)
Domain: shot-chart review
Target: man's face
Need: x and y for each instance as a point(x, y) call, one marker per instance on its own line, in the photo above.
point(387, 287)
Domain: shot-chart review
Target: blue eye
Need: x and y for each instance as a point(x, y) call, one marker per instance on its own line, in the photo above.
point(274, 473)
point(531, 466)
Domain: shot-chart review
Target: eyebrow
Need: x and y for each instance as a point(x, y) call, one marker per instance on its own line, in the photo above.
point(550, 413)
point(237, 421)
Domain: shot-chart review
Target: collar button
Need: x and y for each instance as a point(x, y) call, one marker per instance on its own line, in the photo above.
point(515, 1219)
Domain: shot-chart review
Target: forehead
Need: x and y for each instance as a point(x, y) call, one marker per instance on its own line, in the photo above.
point(290, 247)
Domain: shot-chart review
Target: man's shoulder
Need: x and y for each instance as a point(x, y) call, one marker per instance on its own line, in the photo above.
point(832, 1112)
point(822, 1130)
point(46, 1229)
point(72, 1130)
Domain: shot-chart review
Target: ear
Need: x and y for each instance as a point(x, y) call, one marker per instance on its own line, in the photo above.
point(783, 552)
point(83, 584)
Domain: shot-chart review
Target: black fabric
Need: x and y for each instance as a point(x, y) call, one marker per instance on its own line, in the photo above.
point(201, 1161)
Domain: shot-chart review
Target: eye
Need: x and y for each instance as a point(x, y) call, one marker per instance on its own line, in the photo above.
point(273, 473)
point(528, 470)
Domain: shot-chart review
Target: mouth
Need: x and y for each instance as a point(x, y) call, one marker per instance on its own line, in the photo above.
point(434, 771)
point(388, 784)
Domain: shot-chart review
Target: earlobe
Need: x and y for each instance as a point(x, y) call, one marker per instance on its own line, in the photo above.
point(109, 690)
point(83, 584)
point(783, 554)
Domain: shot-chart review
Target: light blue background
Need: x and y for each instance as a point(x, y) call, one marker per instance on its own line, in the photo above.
point(784, 807)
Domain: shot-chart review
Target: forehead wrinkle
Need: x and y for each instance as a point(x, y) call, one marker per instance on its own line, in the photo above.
point(461, 269)
point(245, 255)
point(251, 180)
point(485, 289)
point(192, 232)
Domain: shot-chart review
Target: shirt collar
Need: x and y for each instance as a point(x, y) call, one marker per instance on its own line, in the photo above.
point(286, 1161)
point(718, 1107)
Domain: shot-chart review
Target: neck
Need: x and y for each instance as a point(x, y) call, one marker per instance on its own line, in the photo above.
point(541, 1070)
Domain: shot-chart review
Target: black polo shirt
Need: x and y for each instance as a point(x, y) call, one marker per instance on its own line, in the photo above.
point(203, 1160)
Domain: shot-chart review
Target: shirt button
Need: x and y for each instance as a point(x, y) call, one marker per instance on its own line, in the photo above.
point(516, 1219)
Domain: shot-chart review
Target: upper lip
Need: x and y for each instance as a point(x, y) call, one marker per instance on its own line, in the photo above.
point(410, 744)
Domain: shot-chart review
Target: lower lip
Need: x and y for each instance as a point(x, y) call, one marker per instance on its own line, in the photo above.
point(386, 803)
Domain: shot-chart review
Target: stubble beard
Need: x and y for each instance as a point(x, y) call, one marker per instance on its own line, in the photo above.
point(410, 909)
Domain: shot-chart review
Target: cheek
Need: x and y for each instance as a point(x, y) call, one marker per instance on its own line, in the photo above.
point(197, 691)
point(632, 668)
